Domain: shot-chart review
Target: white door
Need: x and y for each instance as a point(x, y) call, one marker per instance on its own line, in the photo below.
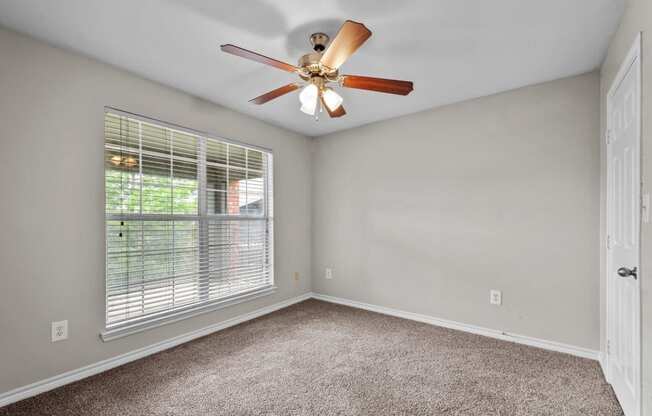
point(623, 225)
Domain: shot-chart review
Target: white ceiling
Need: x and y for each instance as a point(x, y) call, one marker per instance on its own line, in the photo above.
point(453, 50)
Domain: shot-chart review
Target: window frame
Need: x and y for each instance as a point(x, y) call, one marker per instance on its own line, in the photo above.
point(143, 323)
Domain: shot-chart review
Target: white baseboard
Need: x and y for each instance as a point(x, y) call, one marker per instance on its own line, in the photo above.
point(520, 339)
point(104, 365)
point(101, 366)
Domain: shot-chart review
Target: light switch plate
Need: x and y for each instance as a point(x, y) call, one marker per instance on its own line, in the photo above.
point(59, 331)
point(329, 273)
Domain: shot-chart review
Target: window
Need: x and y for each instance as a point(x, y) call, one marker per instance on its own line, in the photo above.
point(188, 221)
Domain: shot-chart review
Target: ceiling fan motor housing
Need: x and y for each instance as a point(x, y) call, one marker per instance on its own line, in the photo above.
point(311, 63)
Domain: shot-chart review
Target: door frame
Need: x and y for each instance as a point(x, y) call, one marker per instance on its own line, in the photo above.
point(633, 58)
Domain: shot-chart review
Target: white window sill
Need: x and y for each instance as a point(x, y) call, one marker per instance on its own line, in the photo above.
point(123, 331)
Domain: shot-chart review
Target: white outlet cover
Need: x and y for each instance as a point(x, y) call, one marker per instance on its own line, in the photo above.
point(59, 331)
point(329, 273)
point(496, 297)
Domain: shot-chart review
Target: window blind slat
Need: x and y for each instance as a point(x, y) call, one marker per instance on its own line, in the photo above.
point(166, 250)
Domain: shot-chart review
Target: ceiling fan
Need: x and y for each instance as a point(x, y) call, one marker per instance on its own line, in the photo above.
point(320, 68)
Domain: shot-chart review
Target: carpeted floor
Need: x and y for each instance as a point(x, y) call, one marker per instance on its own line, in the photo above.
point(317, 358)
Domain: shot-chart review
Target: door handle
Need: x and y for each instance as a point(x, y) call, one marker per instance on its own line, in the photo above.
point(625, 272)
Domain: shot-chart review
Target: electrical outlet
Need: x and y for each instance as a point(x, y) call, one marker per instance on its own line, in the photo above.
point(495, 297)
point(329, 273)
point(59, 331)
point(296, 276)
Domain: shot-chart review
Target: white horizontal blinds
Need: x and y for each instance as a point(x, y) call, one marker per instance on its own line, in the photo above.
point(238, 227)
point(187, 220)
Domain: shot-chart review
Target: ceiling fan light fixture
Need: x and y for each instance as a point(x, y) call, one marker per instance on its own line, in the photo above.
point(308, 98)
point(332, 99)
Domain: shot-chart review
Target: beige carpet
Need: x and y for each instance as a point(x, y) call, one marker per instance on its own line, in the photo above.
point(317, 358)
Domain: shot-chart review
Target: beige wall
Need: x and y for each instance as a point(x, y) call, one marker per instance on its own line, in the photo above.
point(428, 212)
point(52, 212)
point(637, 18)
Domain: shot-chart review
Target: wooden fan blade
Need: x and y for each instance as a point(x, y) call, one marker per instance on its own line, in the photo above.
point(262, 99)
point(390, 86)
point(339, 111)
point(349, 38)
point(244, 53)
